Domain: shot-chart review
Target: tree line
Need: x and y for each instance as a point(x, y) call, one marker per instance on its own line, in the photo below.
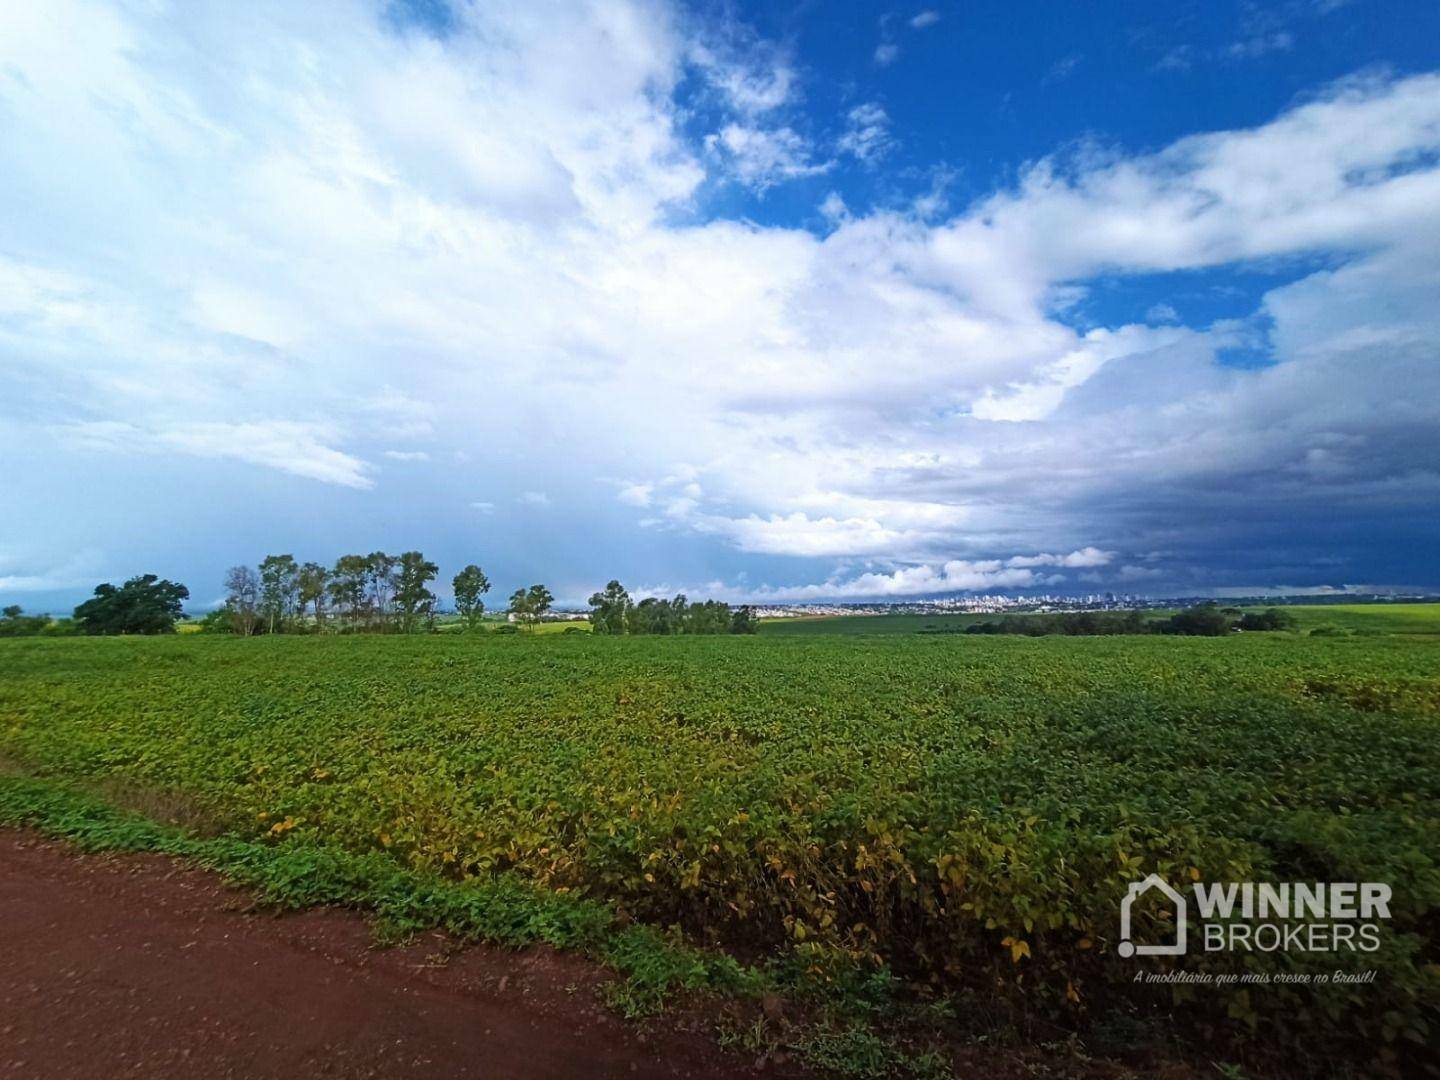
point(375, 593)
point(381, 593)
point(1201, 620)
point(145, 604)
point(613, 612)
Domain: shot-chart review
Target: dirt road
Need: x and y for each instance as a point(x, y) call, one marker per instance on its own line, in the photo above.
point(114, 966)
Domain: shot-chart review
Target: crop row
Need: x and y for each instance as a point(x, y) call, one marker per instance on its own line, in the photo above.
point(965, 814)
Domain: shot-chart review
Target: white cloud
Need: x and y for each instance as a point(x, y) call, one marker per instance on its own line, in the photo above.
point(753, 76)
point(1084, 557)
point(407, 455)
point(636, 494)
point(483, 507)
point(498, 245)
point(761, 158)
point(867, 133)
point(925, 19)
point(931, 579)
point(290, 446)
point(1252, 48)
point(886, 53)
point(533, 498)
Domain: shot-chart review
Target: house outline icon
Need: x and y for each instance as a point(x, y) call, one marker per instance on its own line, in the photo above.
point(1128, 948)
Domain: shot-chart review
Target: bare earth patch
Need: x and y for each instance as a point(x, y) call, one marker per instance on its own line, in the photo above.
point(136, 966)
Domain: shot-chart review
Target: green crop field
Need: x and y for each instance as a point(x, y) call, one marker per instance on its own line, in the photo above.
point(868, 624)
point(1384, 618)
point(956, 816)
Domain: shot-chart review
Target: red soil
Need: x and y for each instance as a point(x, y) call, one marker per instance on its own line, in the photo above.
point(114, 966)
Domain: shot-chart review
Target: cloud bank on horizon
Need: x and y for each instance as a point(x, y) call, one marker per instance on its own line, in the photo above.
point(586, 290)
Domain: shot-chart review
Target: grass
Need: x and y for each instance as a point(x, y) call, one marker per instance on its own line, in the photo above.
point(865, 821)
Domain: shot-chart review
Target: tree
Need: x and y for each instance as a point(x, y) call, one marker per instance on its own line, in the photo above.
point(609, 608)
point(469, 585)
point(143, 605)
point(530, 605)
point(711, 617)
point(414, 602)
point(743, 621)
point(311, 589)
point(279, 591)
point(519, 608)
point(538, 600)
point(1202, 620)
point(16, 623)
point(242, 597)
point(380, 587)
point(218, 621)
point(1269, 619)
point(649, 616)
point(347, 588)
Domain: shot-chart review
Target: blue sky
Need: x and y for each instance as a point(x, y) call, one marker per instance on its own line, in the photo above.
point(783, 301)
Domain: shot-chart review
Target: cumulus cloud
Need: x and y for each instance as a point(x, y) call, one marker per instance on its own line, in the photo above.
point(833, 207)
point(937, 579)
point(636, 494)
point(496, 246)
point(1085, 557)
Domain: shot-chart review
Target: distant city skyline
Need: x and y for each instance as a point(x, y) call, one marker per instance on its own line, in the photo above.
point(772, 303)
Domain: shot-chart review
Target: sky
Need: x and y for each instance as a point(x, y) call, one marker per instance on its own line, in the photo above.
point(776, 302)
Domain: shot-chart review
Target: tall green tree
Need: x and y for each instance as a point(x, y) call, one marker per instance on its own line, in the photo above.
point(650, 616)
point(242, 599)
point(743, 621)
point(347, 589)
point(414, 602)
point(380, 588)
point(143, 605)
point(538, 600)
point(469, 586)
point(279, 591)
point(609, 608)
point(529, 606)
point(311, 586)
